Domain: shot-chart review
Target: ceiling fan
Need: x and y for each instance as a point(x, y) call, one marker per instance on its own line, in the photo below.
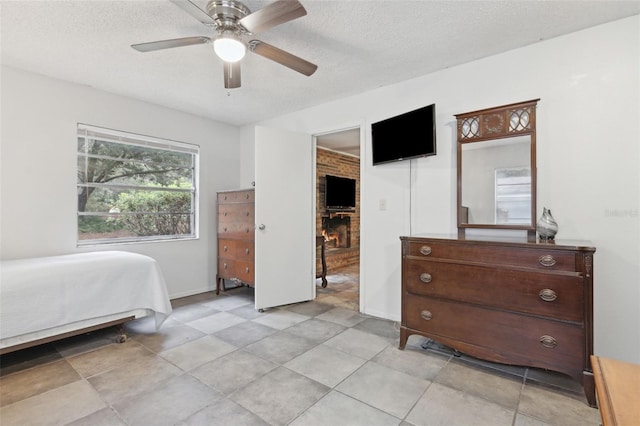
point(232, 22)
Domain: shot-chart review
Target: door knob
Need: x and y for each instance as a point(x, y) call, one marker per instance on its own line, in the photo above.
point(261, 227)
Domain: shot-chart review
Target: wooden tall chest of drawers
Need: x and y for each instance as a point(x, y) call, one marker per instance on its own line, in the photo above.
point(236, 237)
point(508, 301)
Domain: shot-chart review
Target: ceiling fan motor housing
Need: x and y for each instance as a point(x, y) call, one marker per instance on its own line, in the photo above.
point(227, 14)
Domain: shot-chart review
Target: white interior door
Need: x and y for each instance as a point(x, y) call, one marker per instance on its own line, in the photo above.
point(285, 219)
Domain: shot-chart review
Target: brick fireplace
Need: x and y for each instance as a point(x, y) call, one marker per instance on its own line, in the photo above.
point(336, 231)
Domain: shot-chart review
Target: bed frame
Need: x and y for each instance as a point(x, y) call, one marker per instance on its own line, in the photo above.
point(120, 338)
point(91, 291)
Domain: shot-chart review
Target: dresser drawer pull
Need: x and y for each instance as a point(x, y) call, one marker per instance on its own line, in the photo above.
point(547, 260)
point(425, 277)
point(426, 250)
point(246, 251)
point(225, 248)
point(548, 341)
point(225, 213)
point(426, 315)
point(248, 214)
point(246, 269)
point(547, 295)
point(225, 266)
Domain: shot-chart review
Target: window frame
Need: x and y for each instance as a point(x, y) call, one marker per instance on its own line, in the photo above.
point(88, 132)
point(500, 199)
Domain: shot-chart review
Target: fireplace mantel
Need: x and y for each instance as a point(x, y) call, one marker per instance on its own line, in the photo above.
point(340, 213)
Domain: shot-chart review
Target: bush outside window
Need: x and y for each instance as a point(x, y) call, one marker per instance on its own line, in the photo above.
point(134, 188)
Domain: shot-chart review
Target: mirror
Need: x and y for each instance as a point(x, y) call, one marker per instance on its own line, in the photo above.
point(497, 168)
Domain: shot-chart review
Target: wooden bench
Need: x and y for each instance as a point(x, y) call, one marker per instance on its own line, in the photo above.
point(618, 391)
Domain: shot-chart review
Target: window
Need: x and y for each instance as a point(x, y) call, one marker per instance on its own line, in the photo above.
point(134, 188)
point(513, 195)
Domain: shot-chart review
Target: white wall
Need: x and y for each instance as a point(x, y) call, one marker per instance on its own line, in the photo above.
point(588, 162)
point(38, 171)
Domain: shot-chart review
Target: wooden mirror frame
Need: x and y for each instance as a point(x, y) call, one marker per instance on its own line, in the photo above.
point(506, 121)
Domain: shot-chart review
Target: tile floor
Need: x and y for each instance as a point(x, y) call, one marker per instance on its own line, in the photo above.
point(343, 287)
point(217, 361)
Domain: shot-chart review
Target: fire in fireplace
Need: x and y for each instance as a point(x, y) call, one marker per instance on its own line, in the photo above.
point(336, 231)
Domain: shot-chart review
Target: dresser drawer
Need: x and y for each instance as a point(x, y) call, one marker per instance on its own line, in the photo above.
point(226, 268)
point(244, 271)
point(227, 248)
point(244, 250)
point(236, 230)
point(556, 295)
point(236, 213)
point(520, 339)
point(546, 259)
point(236, 196)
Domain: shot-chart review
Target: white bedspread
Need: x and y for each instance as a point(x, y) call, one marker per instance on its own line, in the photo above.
point(47, 292)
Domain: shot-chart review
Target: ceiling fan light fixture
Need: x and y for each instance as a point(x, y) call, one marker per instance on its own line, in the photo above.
point(229, 48)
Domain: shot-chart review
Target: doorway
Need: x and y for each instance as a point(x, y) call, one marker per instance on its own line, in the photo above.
point(338, 154)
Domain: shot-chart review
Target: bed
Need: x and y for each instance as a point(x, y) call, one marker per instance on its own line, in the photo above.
point(48, 298)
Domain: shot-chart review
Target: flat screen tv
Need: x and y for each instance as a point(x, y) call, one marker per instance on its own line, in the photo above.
point(405, 136)
point(340, 193)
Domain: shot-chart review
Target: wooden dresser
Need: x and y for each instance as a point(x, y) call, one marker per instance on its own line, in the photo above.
point(236, 237)
point(509, 301)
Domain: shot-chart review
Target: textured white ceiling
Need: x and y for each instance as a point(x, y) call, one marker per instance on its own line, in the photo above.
point(345, 141)
point(357, 45)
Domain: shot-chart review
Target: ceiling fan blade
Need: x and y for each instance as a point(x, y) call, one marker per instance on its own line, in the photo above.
point(194, 11)
point(273, 14)
point(231, 75)
point(282, 57)
point(167, 44)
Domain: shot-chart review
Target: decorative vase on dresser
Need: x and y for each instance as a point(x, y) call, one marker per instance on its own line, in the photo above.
point(507, 300)
point(547, 226)
point(236, 238)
